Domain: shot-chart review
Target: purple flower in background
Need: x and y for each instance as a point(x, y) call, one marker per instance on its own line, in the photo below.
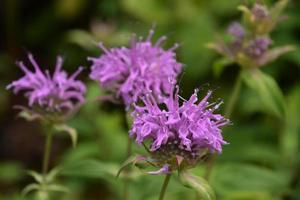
point(258, 47)
point(185, 130)
point(236, 30)
point(129, 73)
point(52, 93)
point(259, 11)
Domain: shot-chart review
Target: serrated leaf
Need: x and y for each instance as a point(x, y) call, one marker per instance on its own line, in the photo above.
point(198, 184)
point(37, 177)
point(30, 188)
point(71, 131)
point(267, 90)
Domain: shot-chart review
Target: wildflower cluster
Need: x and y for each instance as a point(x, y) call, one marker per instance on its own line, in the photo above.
point(144, 75)
point(249, 43)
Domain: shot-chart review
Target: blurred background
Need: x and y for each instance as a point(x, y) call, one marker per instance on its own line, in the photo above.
point(262, 160)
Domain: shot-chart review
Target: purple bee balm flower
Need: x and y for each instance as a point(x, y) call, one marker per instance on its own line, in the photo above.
point(260, 12)
point(52, 93)
point(258, 47)
point(187, 130)
point(235, 29)
point(129, 73)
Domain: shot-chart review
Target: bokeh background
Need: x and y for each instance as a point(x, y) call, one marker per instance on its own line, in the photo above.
point(262, 160)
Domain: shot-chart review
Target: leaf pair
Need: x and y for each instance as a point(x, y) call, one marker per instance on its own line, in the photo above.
point(44, 184)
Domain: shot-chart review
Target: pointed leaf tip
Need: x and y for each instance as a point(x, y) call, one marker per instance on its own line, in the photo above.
point(202, 188)
point(71, 131)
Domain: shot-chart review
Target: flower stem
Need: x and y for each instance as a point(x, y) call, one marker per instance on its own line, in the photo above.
point(164, 187)
point(126, 181)
point(128, 154)
point(128, 148)
point(234, 96)
point(47, 151)
point(228, 111)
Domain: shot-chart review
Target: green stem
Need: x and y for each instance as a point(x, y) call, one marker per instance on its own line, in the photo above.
point(128, 154)
point(234, 96)
point(128, 148)
point(127, 127)
point(47, 152)
point(164, 186)
point(228, 111)
point(126, 181)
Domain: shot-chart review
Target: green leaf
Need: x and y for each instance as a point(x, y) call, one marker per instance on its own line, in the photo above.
point(247, 14)
point(28, 114)
point(148, 10)
point(126, 163)
point(274, 53)
point(198, 184)
point(91, 168)
point(58, 188)
point(236, 178)
point(289, 140)
point(277, 9)
point(81, 38)
point(83, 151)
point(132, 160)
point(267, 90)
point(71, 131)
point(37, 177)
point(220, 64)
point(250, 196)
point(10, 171)
point(53, 174)
point(30, 188)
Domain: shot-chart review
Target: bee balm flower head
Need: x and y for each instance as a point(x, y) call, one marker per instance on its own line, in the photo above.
point(186, 130)
point(129, 73)
point(54, 93)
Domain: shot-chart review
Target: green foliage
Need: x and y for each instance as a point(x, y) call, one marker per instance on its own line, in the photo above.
point(204, 191)
point(291, 132)
point(267, 91)
point(10, 171)
point(69, 130)
point(233, 180)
